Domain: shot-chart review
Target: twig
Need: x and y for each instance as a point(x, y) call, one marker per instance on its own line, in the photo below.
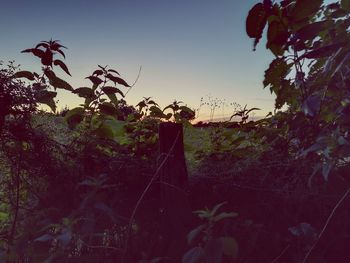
point(281, 254)
point(137, 78)
point(144, 193)
point(326, 224)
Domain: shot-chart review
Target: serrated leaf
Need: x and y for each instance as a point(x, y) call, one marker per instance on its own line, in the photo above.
point(310, 31)
point(97, 72)
point(112, 90)
point(114, 71)
point(62, 53)
point(107, 108)
point(305, 8)
point(95, 80)
point(24, 74)
point(84, 92)
point(60, 84)
point(63, 66)
point(117, 80)
point(321, 52)
point(36, 52)
point(255, 22)
point(47, 58)
point(277, 36)
point(47, 97)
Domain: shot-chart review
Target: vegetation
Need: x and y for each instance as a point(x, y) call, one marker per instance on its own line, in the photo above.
point(84, 185)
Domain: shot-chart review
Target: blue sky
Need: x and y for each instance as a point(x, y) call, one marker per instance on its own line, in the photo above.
point(187, 49)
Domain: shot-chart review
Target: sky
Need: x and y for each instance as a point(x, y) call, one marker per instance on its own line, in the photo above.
point(188, 49)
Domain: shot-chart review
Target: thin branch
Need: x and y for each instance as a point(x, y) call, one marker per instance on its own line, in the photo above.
point(137, 78)
point(326, 225)
point(144, 193)
point(281, 254)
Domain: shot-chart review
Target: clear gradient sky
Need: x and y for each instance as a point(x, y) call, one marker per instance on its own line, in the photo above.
point(188, 49)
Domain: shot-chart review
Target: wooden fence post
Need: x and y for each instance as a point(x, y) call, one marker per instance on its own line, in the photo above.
point(174, 185)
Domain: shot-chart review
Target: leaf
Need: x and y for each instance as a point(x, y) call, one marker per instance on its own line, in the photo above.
point(114, 71)
point(345, 4)
point(60, 84)
point(311, 105)
point(44, 45)
point(74, 117)
point(156, 112)
point(324, 51)
point(305, 8)
point(194, 255)
point(194, 233)
point(47, 97)
point(107, 108)
point(97, 72)
point(44, 238)
point(276, 72)
point(255, 22)
point(117, 80)
point(277, 36)
point(63, 66)
point(62, 53)
point(24, 74)
point(84, 92)
point(229, 246)
point(112, 90)
point(224, 215)
point(36, 52)
point(216, 208)
point(310, 31)
point(95, 80)
point(47, 58)
point(105, 131)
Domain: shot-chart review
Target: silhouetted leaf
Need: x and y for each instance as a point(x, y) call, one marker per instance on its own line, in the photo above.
point(63, 66)
point(62, 53)
point(117, 80)
point(112, 70)
point(112, 90)
point(97, 72)
point(36, 52)
point(95, 80)
point(56, 46)
point(84, 92)
point(107, 108)
point(24, 74)
point(255, 23)
point(310, 31)
point(277, 36)
point(47, 97)
point(324, 51)
point(44, 45)
point(305, 8)
point(46, 59)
